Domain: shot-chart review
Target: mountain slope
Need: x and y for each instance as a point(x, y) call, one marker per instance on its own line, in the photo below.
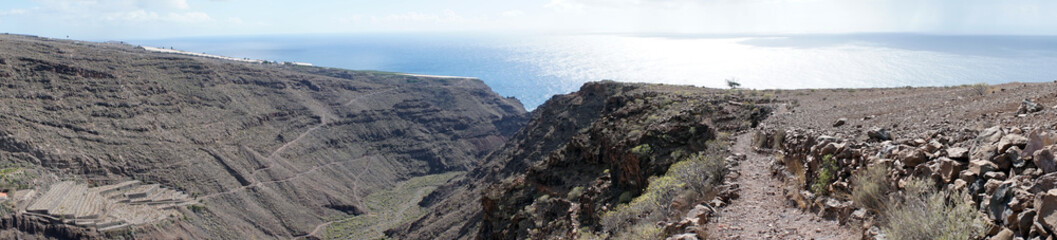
point(266, 150)
point(580, 155)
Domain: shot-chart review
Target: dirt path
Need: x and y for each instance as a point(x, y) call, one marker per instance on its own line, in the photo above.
point(762, 211)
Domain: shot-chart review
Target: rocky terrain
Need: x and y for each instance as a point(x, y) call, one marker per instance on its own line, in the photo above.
point(962, 162)
point(107, 140)
point(263, 150)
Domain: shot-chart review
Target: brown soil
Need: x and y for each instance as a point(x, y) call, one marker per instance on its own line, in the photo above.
point(762, 211)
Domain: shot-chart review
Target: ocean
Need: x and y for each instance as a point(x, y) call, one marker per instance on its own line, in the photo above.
point(535, 67)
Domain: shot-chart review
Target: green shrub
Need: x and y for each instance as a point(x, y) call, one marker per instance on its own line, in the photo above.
point(642, 151)
point(826, 175)
point(870, 187)
point(924, 213)
point(575, 193)
point(692, 176)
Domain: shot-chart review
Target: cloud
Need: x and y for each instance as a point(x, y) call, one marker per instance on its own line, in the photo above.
point(447, 16)
point(513, 13)
point(150, 16)
point(13, 12)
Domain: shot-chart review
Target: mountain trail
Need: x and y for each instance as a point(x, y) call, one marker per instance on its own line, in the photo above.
point(762, 211)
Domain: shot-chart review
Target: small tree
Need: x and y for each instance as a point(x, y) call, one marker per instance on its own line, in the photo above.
point(733, 83)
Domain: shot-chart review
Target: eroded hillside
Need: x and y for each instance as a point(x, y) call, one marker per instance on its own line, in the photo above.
point(263, 151)
point(587, 154)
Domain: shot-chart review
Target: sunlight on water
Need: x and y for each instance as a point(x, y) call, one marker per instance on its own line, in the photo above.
point(709, 61)
point(532, 68)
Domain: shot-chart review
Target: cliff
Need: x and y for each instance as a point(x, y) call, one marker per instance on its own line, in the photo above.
point(264, 150)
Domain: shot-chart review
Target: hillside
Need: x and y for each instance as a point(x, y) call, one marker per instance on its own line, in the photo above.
point(586, 152)
point(245, 150)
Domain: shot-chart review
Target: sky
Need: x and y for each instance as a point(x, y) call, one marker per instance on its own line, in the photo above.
point(153, 19)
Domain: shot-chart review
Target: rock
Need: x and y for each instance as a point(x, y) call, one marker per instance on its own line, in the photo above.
point(948, 169)
point(958, 153)
point(998, 207)
point(879, 134)
point(684, 236)
point(1044, 183)
point(1044, 159)
point(913, 157)
point(699, 214)
point(1027, 106)
point(1005, 234)
point(1046, 207)
point(980, 167)
point(1011, 140)
point(1026, 219)
point(835, 209)
point(933, 146)
point(990, 135)
point(984, 152)
point(1038, 139)
point(995, 175)
point(859, 214)
point(840, 122)
point(959, 184)
point(1012, 155)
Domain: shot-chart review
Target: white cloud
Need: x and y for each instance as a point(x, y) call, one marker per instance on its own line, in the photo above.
point(447, 16)
point(13, 12)
point(513, 13)
point(151, 16)
point(349, 19)
point(235, 20)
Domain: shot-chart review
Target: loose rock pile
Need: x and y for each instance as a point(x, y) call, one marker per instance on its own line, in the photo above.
point(106, 207)
point(1011, 173)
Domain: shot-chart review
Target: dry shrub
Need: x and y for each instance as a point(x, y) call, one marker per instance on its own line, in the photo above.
point(870, 187)
point(925, 213)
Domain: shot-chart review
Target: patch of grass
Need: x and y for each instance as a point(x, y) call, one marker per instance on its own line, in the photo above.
point(925, 213)
point(870, 187)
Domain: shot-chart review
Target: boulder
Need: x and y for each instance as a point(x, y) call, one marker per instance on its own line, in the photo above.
point(699, 215)
point(959, 184)
point(990, 135)
point(912, 157)
point(1037, 140)
point(1044, 159)
point(958, 153)
point(984, 152)
point(998, 206)
point(879, 134)
point(980, 167)
point(1046, 208)
point(1044, 183)
point(1027, 106)
point(948, 169)
point(1004, 161)
point(1001, 176)
point(1026, 219)
point(1005, 234)
point(840, 122)
point(933, 146)
point(1011, 140)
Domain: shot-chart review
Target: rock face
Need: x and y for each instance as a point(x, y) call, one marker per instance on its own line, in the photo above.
point(270, 151)
point(583, 151)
